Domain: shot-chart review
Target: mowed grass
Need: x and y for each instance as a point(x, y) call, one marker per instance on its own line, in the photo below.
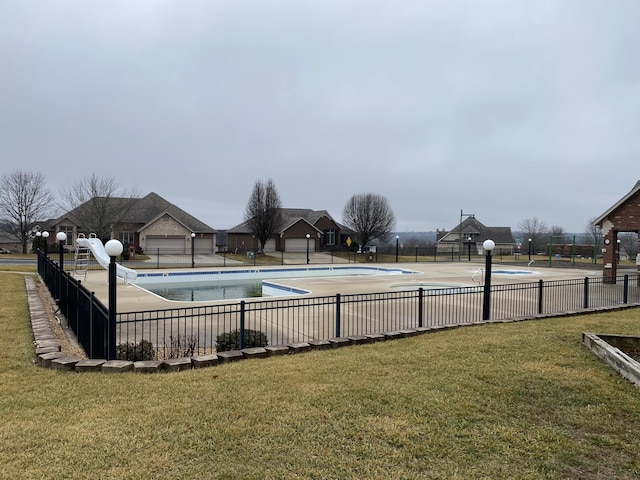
point(522, 400)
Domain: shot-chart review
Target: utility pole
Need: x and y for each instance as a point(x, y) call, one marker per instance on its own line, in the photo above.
point(462, 214)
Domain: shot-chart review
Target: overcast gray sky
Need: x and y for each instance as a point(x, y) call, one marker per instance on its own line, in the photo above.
point(508, 109)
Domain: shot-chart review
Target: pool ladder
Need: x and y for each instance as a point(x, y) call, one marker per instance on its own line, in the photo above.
point(81, 260)
point(479, 272)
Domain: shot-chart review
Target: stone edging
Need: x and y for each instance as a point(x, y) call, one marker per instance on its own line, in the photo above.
point(49, 355)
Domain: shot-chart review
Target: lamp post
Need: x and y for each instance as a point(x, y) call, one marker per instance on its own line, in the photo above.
point(469, 246)
point(113, 249)
point(61, 237)
point(618, 251)
point(529, 249)
point(397, 239)
point(45, 235)
point(488, 246)
point(193, 241)
point(308, 237)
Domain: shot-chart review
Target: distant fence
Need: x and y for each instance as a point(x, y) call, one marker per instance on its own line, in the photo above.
point(194, 330)
point(177, 258)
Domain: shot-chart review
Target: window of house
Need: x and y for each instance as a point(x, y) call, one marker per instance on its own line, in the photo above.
point(126, 238)
point(330, 237)
point(69, 232)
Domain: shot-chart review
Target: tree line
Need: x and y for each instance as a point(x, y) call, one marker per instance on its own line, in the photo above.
point(99, 203)
point(369, 215)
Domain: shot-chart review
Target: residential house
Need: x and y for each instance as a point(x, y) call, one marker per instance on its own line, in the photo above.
point(325, 234)
point(469, 236)
point(150, 224)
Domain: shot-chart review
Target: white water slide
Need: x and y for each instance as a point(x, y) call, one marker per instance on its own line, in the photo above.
point(97, 249)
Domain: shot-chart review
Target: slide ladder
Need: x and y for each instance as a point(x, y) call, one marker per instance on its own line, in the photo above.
point(81, 260)
point(95, 246)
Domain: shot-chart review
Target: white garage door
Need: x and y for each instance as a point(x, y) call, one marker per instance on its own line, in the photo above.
point(298, 245)
point(166, 245)
point(270, 246)
point(203, 245)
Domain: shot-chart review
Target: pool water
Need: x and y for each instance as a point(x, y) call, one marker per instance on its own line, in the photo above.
point(513, 272)
point(202, 292)
point(200, 286)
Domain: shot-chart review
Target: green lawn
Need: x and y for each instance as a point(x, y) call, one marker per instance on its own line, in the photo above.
point(522, 400)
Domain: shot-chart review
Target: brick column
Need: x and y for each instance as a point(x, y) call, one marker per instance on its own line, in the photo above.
point(610, 269)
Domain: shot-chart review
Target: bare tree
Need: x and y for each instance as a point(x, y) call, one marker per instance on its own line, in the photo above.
point(593, 234)
point(263, 213)
point(558, 234)
point(24, 199)
point(370, 216)
point(98, 204)
point(535, 230)
point(629, 243)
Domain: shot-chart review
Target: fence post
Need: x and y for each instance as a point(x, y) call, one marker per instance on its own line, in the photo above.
point(242, 312)
point(337, 315)
point(92, 298)
point(625, 292)
point(540, 289)
point(585, 303)
point(78, 313)
point(420, 307)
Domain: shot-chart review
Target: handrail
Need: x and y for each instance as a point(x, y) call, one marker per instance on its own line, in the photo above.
point(479, 271)
point(532, 262)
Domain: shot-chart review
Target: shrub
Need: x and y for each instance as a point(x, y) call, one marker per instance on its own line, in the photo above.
point(182, 346)
point(231, 340)
point(136, 352)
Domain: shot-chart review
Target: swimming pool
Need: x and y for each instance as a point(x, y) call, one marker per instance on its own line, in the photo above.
point(208, 285)
point(514, 272)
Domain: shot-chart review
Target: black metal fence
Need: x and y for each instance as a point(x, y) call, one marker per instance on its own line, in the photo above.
point(85, 314)
point(194, 330)
point(188, 331)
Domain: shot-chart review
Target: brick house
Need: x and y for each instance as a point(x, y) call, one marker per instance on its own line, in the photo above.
point(623, 216)
point(471, 234)
point(325, 234)
point(150, 224)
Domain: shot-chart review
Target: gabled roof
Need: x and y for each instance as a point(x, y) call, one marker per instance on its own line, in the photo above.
point(153, 206)
point(290, 216)
point(598, 221)
point(146, 210)
point(480, 232)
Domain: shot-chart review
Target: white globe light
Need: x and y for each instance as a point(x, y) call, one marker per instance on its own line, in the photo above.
point(61, 236)
point(489, 245)
point(45, 234)
point(113, 248)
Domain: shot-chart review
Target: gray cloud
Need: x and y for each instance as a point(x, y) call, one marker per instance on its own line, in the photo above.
point(506, 109)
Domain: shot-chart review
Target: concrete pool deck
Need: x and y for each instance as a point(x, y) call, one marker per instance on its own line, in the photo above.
point(131, 298)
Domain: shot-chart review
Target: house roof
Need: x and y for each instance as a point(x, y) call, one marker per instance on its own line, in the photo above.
point(480, 232)
point(290, 216)
point(147, 209)
point(598, 221)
